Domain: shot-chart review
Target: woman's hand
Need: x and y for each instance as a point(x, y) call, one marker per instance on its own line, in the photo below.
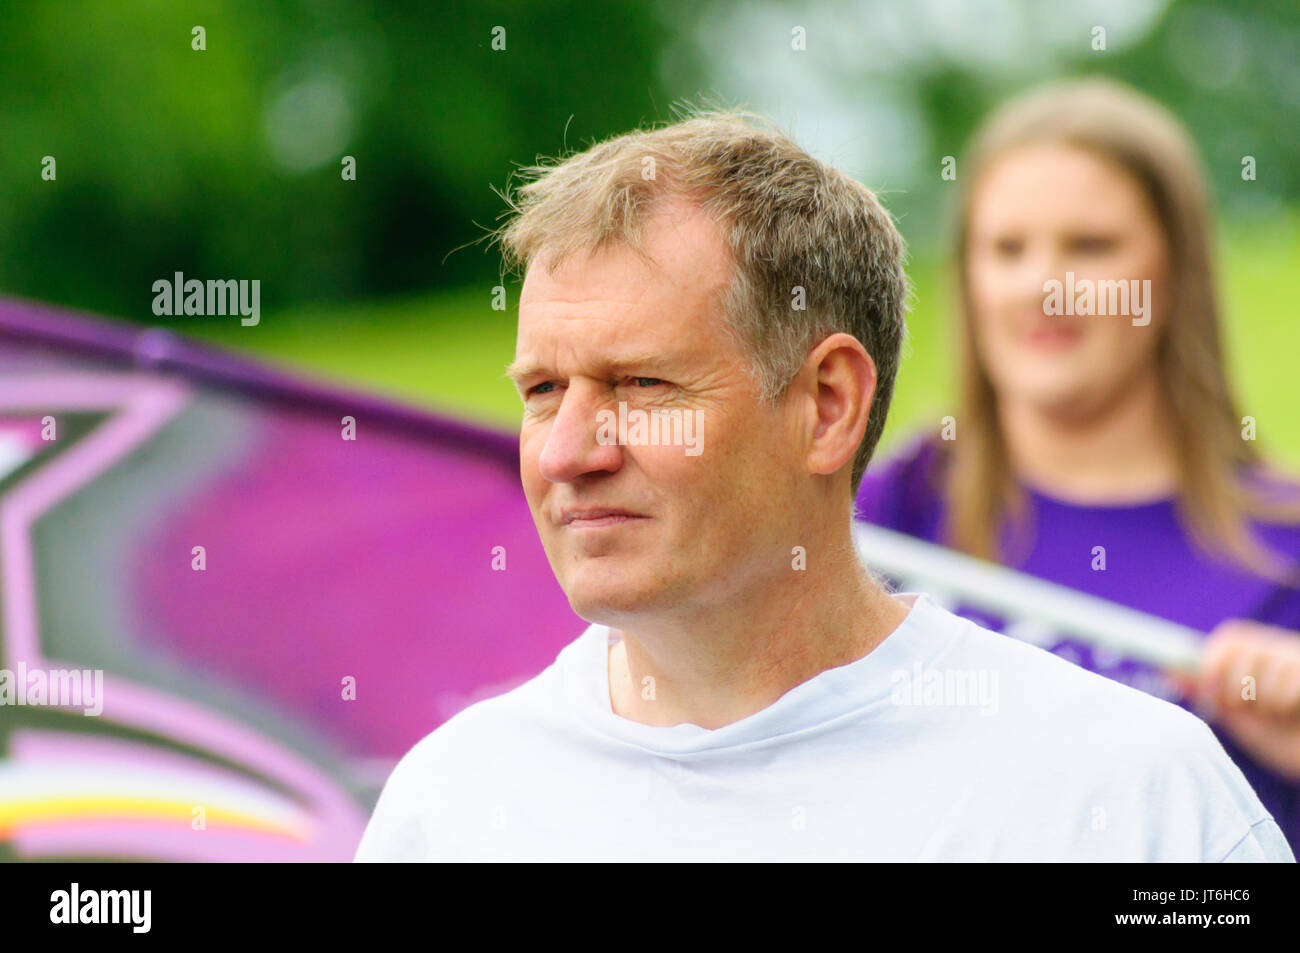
point(1249, 685)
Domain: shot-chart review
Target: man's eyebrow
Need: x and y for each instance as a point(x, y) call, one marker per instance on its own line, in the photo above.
point(517, 371)
point(521, 370)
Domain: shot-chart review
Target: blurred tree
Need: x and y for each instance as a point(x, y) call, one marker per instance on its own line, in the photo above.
point(886, 89)
point(226, 161)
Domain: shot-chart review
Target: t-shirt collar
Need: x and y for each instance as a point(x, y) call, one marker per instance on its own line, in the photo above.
point(844, 691)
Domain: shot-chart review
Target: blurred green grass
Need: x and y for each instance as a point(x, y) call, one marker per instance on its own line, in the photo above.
point(447, 351)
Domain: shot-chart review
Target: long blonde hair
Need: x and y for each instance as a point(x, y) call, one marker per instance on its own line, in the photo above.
point(1213, 500)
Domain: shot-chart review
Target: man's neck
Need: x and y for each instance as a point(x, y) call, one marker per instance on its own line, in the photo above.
point(737, 660)
point(1121, 453)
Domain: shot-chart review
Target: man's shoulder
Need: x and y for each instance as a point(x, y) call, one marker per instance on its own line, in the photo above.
point(1071, 718)
point(449, 770)
point(486, 725)
point(1093, 738)
point(1058, 694)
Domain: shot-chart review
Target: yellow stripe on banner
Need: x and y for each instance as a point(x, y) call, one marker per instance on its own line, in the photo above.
point(28, 813)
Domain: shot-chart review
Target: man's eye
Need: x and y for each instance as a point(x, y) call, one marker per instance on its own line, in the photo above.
point(541, 388)
point(1008, 247)
point(647, 381)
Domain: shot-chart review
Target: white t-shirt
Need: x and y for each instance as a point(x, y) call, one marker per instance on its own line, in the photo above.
point(946, 742)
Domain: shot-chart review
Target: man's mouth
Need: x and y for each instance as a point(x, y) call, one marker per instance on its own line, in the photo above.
point(598, 517)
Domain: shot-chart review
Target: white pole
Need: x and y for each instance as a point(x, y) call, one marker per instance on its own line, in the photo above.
point(1027, 602)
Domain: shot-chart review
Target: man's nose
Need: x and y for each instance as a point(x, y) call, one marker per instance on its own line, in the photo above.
point(572, 448)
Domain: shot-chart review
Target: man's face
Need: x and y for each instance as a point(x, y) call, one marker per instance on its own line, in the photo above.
point(611, 328)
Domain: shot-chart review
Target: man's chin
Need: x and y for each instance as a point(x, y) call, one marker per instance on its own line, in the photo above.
point(606, 608)
point(610, 600)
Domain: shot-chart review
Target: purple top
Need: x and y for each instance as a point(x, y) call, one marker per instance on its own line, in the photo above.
point(1151, 564)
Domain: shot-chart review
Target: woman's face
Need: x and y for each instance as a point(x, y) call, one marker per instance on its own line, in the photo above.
point(1050, 212)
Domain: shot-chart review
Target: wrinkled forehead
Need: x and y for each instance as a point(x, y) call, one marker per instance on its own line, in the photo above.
point(669, 292)
point(677, 250)
point(604, 330)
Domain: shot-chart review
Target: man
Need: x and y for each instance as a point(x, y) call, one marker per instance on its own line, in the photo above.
point(746, 690)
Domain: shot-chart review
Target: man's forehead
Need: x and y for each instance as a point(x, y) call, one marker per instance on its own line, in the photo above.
point(618, 306)
point(610, 335)
point(588, 279)
point(665, 333)
point(599, 360)
point(681, 252)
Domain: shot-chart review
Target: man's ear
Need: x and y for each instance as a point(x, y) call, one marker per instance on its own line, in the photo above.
point(839, 378)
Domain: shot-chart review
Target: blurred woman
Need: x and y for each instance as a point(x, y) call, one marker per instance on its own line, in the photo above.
point(1103, 450)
